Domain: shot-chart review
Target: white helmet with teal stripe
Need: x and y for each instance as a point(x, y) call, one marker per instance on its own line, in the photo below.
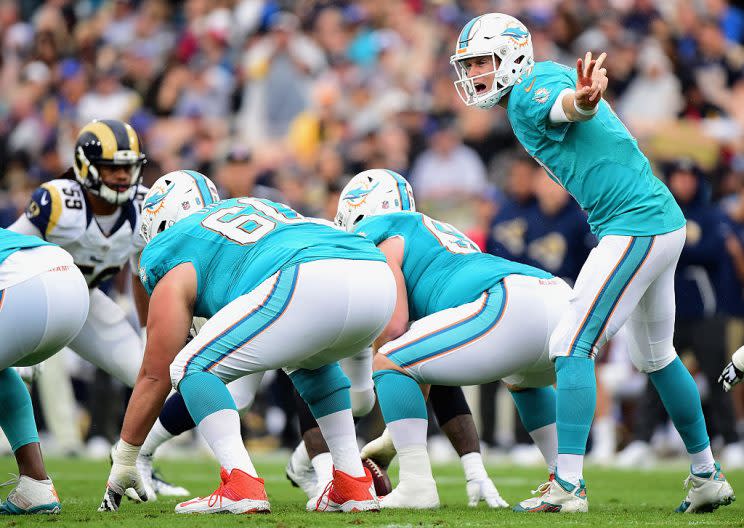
point(172, 197)
point(371, 193)
point(506, 42)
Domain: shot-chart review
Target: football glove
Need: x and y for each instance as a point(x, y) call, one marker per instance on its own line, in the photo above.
point(484, 490)
point(730, 376)
point(123, 475)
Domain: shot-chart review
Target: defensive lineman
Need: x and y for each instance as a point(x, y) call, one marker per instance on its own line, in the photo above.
point(280, 291)
point(559, 117)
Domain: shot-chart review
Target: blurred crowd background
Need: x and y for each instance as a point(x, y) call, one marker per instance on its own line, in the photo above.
point(288, 99)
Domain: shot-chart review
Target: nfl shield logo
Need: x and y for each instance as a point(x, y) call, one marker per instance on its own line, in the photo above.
point(186, 206)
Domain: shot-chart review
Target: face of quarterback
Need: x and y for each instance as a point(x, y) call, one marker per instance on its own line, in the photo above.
point(480, 69)
point(116, 177)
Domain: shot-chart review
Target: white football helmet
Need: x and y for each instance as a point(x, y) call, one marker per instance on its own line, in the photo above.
point(173, 197)
point(507, 42)
point(371, 193)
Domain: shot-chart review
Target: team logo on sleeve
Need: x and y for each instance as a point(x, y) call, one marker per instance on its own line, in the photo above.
point(33, 210)
point(541, 95)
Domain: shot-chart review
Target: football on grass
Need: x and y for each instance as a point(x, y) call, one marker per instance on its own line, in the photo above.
point(379, 477)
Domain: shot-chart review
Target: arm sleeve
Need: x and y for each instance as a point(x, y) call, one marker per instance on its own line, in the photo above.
point(43, 211)
point(24, 226)
point(557, 114)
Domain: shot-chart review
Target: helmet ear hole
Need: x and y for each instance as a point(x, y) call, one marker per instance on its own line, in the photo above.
point(161, 227)
point(358, 219)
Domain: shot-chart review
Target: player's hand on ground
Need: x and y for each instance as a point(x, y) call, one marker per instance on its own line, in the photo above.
point(120, 479)
point(484, 490)
point(730, 376)
point(591, 81)
point(123, 475)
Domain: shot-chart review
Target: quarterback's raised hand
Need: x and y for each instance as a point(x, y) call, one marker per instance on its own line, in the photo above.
point(591, 81)
point(733, 373)
point(123, 475)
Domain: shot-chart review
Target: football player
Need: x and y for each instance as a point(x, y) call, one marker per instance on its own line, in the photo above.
point(733, 373)
point(558, 115)
point(459, 319)
point(261, 273)
point(43, 305)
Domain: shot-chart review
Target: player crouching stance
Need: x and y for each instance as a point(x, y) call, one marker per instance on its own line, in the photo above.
point(476, 318)
point(280, 291)
point(43, 305)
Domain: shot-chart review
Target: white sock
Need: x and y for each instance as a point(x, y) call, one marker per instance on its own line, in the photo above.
point(546, 440)
point(414, 463)
point(409, 439)
point(338, 431)
point(300, 457)
point(323, 466)
point(702, 462)
point(570, 468)
point(407, 432)
point(221, 430)
point(472, 463)
point(603, 434)
point(158, 436)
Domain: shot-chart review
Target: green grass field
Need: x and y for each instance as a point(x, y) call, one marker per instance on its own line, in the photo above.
point(617, 498)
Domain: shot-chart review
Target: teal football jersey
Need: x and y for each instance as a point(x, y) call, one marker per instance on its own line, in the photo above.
point(11, 242)
point(597, 161)
point(236, 244)
point(442, 267)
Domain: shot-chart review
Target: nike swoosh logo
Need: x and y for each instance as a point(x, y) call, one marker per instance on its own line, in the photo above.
point(45, 199)
point(529, 88)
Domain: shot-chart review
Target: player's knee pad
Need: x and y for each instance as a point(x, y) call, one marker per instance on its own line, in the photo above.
point(326, 389)
point(362, 401)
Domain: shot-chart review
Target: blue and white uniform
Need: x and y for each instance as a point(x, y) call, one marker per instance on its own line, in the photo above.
point(629, 276)
point(470, 308)
point(43, 299)
point(59, 212)
point(280, 290)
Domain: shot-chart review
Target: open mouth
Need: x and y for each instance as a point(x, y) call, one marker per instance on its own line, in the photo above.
point(120, 187)
point(480, 88)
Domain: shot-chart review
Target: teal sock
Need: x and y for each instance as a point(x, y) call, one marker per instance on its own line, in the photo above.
point(204, 394)
point(325, 390)
point(399, 396)
point(17, 413)
point(681, 399)
point(536, 407)
point(576, 400)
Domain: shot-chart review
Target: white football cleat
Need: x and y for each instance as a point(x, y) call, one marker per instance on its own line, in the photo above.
point(303, 477)
point(556, 496)
point(31, 496)
point(420, 494)
point(381, 449)
point(636, 454)
point(238, 493)
point(706, 492)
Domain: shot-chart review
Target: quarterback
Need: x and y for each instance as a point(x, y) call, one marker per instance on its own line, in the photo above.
point(467, 313)
point(43, 305)
point(261, 273)
point(558, 115)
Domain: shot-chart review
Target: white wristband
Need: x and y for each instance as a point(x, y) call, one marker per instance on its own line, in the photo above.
point(585, 112)
point(125, 454)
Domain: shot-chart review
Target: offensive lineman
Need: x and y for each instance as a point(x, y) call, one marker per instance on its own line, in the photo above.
point(558, 116)
point(261, 273)
point(468, 312)
point(43, 305)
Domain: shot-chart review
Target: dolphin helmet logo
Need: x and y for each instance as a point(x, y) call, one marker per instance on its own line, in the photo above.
point(356, 197)
point(517, 34)
point(155, 202)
